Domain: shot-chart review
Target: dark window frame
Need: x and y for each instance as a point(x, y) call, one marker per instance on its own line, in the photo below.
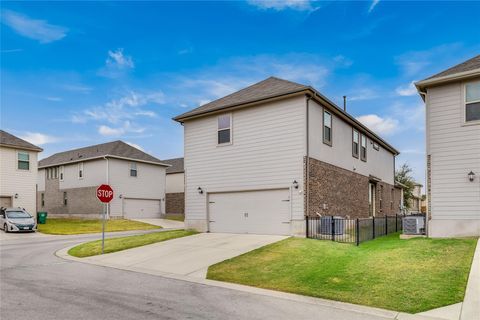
point(363, 155)
point(472, 104)
point(222, 130)
point(355, 153)
point(133, 170)
point(325, 140)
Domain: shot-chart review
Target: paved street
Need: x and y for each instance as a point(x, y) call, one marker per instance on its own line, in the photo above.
point(35, 284)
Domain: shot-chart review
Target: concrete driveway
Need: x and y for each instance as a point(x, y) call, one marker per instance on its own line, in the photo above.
point(165, 223)
point(188, 256)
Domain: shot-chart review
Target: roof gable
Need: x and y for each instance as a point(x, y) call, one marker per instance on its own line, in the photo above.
point(176, 165)
point(9, 140)
point(118, 149)
point(270, 87)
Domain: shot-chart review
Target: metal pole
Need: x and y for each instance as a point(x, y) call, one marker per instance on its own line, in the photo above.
point(308, 235)
point(357, 231)
point(373, 229)
point(333, 228)
point(103, 226)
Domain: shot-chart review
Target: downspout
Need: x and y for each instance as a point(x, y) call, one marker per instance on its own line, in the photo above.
point(107, 181)
point(307, 159)
point(427, 214)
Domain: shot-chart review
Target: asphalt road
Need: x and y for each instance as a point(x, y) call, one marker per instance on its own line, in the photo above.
point(35, 284)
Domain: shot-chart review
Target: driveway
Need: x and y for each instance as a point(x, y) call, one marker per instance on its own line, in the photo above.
point(165, 223)
point(188, 256)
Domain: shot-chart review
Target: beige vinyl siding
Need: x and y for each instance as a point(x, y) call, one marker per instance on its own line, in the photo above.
point(94, 174)
point(267, 150)
point(149, 184)
point(455, 150)
point(175, 182)
point(380, 163)
point(22, 182)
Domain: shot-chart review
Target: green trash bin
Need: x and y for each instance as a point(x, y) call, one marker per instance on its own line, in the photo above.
point(42, 217)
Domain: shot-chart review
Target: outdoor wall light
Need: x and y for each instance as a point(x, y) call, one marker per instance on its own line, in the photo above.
point(120, 196)
point(200, 191)
point(16, 196)
point(471, 176)
point(295, 184)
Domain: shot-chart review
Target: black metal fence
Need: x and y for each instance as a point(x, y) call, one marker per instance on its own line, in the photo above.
point(356, 231)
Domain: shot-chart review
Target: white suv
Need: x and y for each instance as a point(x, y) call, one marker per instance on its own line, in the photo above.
point(16, 220)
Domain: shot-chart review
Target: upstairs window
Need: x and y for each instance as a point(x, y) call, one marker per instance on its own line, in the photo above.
point(62, 172)
point(80, 170)
point(23, 161)
point(55, 173)
point(327, 128)
point(363, 148)
point(355, 143)
point(133, 169)
point(472, 101)
point(224, 129)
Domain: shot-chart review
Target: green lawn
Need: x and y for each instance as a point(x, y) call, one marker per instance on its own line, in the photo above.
point(404, 275)
point(94, 248)
point(79, 226)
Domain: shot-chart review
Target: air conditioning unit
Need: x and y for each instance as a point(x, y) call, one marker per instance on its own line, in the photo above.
point(414, 225)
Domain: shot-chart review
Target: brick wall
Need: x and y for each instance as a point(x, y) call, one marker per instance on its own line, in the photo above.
point(340, 192)
point(175, 202)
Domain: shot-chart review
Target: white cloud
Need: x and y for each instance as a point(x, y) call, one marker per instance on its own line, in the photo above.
point(342, 61)
point(127, 127)
point(135, 145)
point(55, 99)
point(117, 64)
point(39, 30)
point(278, 5)
point(382, 126)
point(39, 138)
point(405, 91)
point(76, 88)
point(124, 108)
point(363, 94)
point(373, 5)
point(118, 60)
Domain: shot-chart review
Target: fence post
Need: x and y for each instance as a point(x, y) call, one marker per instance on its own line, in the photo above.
point(357, 231)
point(373, 229)
point(307, 228)
point(396, 222)
point(386, 224)
point(333, 228)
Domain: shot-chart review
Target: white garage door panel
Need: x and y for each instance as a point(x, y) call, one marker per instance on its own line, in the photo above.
point(141, 208)
point(257, 212)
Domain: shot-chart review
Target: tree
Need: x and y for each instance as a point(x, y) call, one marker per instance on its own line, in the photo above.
point(403, 175)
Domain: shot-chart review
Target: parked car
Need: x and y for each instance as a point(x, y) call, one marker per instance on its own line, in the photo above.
point(16, 220)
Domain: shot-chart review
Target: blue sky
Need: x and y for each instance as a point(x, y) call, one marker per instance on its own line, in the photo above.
point(76, 74)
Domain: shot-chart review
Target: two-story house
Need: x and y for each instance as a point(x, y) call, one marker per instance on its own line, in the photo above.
point(260, 159)
point(452, 100)
point(18, 172)
point(67, 182)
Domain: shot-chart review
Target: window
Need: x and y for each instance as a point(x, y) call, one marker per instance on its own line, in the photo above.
point(42, 199)
point(64, 198)
point(381, 198)
point(55, 173)
point(23, 161)
point(133, 169)
point(224, 129)
point(62, 172)
point(80, 170)
point(472, 101)
point(327, 128)
point(355, 143)
point(392, 197)
point(363, 148)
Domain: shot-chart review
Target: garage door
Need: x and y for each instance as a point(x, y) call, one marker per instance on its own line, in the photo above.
point(257, 212)
point(141, 208)
point(6, 202)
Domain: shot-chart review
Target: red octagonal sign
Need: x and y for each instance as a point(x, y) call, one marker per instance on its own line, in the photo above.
point(105, 193)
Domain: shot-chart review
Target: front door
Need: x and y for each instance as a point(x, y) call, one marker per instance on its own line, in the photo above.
point(372, 191)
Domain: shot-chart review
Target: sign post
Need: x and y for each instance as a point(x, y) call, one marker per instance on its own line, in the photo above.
point(105, 195)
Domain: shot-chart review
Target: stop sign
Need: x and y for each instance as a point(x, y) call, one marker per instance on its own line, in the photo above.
point(105, 193)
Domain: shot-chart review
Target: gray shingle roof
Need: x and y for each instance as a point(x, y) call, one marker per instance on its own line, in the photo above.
point(268, 88)
point(176, 165)
point(114, 149)
point(9, 140)
point(471, 64)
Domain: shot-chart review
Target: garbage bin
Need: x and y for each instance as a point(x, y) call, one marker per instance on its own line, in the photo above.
point(42, 217)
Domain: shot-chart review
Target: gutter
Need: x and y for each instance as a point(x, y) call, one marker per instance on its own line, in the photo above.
point(103, 157)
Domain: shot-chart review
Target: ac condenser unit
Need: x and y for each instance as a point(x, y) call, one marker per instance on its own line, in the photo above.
point(414, 225)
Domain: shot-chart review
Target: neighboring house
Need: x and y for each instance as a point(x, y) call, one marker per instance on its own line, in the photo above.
point(415, 203)
point(67, 182)
point(18, 172)
point(452, 100)
point(260, 159)
point(175, 189)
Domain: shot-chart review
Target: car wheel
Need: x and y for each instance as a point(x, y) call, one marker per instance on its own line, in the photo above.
point(5, 228)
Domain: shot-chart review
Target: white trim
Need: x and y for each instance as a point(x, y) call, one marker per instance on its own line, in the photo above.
point(464, 105)
point(438, 80)
point(103, 157)
point(18, 159)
